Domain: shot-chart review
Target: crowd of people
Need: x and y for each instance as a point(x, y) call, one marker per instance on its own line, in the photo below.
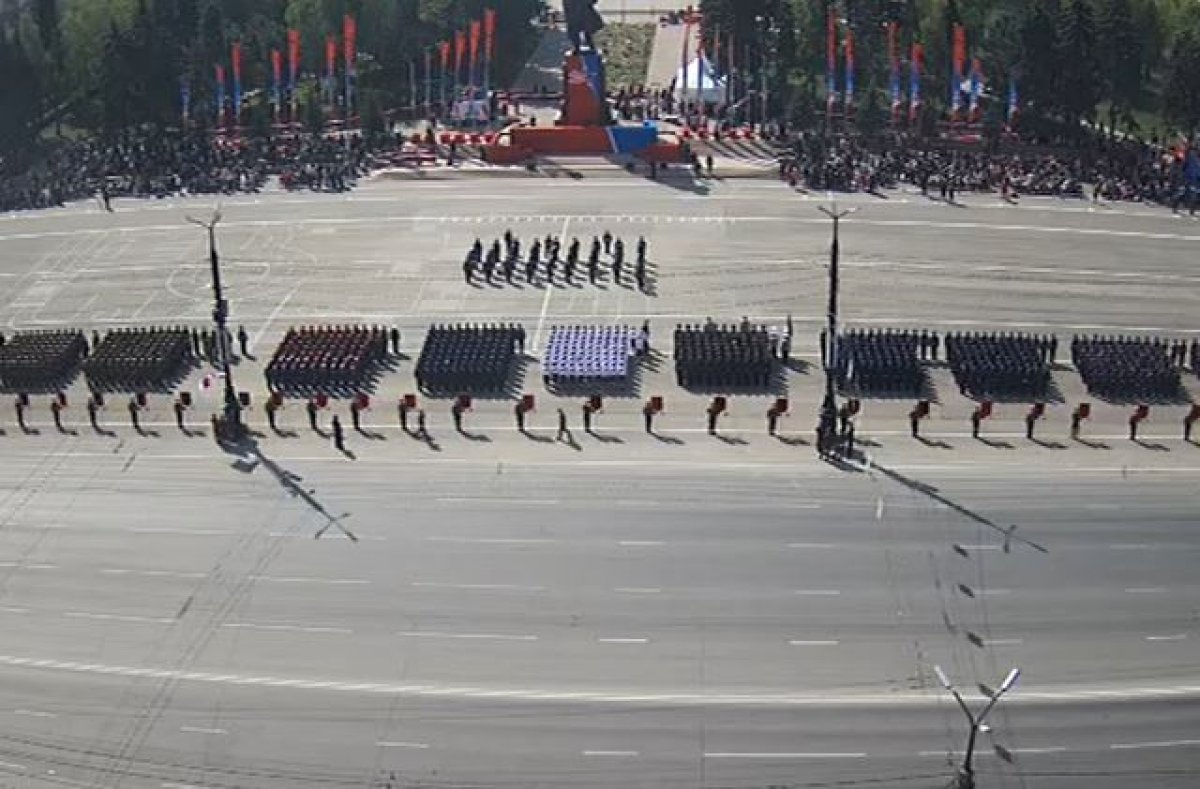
point(1112, 171)
point(145, 164)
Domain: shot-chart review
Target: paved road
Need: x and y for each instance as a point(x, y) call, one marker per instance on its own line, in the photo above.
point(641, 613)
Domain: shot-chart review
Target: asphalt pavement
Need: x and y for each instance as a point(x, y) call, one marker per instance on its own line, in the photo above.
point(681, 610)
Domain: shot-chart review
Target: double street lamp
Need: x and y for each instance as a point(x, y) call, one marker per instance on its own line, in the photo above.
point(231, 424)
point(828, 415)
point(978, 721)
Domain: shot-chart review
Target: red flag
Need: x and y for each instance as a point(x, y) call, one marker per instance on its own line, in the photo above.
point(236, 57)
point(460, 50)
point(277, 65)
point(489, 31)
point(475, 31)
point(960, 49)
point(349, 41)
point(444, 49)
point(293, 42)
point(330, 55)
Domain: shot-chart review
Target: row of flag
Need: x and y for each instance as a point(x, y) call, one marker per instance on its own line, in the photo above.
point(475, 47)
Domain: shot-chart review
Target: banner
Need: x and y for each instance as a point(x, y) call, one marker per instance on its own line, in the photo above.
point(220, 74)
point(917, 65)
point(489, 32)
point(976, 90)
point(894, 66)
point(830, 59)
point(330, 68)
point(1013, 101)
point(476, 30)
point(683, 89)
point(959, 58)
point(293, 90)
point(849, 69)
point(276, 78)
point(185, 99)
point(460, 52)
point(428, 81)
point(350, 52)
point(236, 58)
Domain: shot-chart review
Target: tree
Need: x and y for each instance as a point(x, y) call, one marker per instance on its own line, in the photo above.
point(1038, 66)
point(1077, 63)
point(1120, 58)
point(45, 14)
point(1182, 85)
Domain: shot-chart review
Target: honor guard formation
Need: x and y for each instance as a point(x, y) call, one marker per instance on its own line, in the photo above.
point(328, 359)
point(712, 357)
point(577, 355)
point(1000, 366)
point(546, 263)
point(475, 359)
point(138, 360)
point(1131, 368)
point(40, 360)
point(884, 362)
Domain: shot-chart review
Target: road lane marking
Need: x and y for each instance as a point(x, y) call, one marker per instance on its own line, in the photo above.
point(13, 610)
point(610, 753)
point(641, 543)
point(478, 587)
point(735, 755)
point(638, 589)
point(24, 566)
point(151, 573)
point(283, 579)
point(1145, 589)
point(1047, 749)
point(817, 592)
point(288, 628)
point(491, 540)
point(398, 744)
point(799, 643)
point(497, 500)
point(618, 640)
point(1172, 637)
point(186, 532)
point(34, 714)
point(811, 545)
point(201, 730)
point(119, 618)
point(1003, 642)
point(1129, 746)
point(1129, 546)
point(476, 636)
point(13, 766)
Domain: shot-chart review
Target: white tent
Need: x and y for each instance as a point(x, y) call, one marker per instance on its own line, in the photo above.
point(701, 82)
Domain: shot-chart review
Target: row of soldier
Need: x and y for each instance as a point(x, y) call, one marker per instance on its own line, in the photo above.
point(504, 259)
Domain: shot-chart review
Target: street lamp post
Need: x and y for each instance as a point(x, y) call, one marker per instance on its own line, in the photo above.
point(232, 422)
point(828, 415)
point(966, 773)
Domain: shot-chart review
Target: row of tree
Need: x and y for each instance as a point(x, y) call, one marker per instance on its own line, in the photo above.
point(106, 65)
point(1095, 60)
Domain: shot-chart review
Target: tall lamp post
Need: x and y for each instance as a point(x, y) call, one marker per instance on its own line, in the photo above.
point(828, 415)
point(232, 422)
point(978, 722)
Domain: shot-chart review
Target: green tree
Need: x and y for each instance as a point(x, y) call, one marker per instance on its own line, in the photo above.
point(1038, 66)
point(1182, 84)
point(1077, 62)
point(1120, 59)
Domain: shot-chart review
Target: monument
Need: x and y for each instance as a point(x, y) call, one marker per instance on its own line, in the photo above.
point(584, 84)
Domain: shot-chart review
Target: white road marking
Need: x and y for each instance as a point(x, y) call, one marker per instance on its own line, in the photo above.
point(1129, 546)
point(1047, 749)
point(490, 540)
point(947, 754)
point(1172, 637)
point(1003, 642)
point(13, 766)
point(474, 636)
point(638, 590)
point(541, 324)
point(34, 714)
point(811, 545)
point(728, 755)
point(397, 744)
point(185, 532)
point(478, 587)
point(1129, 746)
point(800, 643)
point(284, 579)
point(12, 610)
point(610, 753)
point(817, 592)
point(1145, 589)
point(119, 618)
point(623, 640)
point(289, 628)
point(513, 500)
point(641, 543)
point(201, 730)
point(993, 592)
point(24, 566)
point(616, 696)
point(151, 573)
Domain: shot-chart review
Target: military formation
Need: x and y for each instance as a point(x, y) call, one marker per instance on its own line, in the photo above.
point(884, 361)
point(469, 358)
point(544, 262)
point(136, 360)
point(1131, 368)
point(990, 366)
point(37, 360)
point(724, 357)
point(328, 358)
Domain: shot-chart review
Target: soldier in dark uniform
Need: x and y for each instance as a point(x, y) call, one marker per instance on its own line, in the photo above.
point(772, 420)
point(243, 341)
point(133, 414)
point(550, 267)
point(92, 408)
point(468, 269)
point(594, 252)
point(456, 412)
point(648, 418)
point(641, 250)
point(56, 410)
point(713, 413)
point(271, 408)
point(593, 269)
point(531, 265)
point(640, 274)
point(608, 242)
point(180, 408)
point(510, 266)
point(618, 260)
point(394, 336)
point(564, 433)
point(476, 253)
point(356, 416)
point(339, 436)
point(403, 415)
point(519, 413)
point(573, 251)
point(422, 431)
point(311, 408)
point(587, 418)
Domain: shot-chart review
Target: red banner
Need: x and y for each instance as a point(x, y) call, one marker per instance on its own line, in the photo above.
point(330, 55)
point(444, 49)
point(277, 66)
point(236, 57)
point(460, 50)
point(350, 41)
point(293, 43)
point(960, 50)
point(489, 32)
point(476, 29)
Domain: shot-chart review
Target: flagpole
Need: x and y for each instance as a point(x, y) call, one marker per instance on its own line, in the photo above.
point(428, 84)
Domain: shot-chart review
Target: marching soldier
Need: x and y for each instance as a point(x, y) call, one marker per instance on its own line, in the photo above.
point(713, 413)
point(772, 420)
point(394, 336)
point(640, 274)
point(422, 431)
point(594, 253)
point(468, 270)
point(587, 418)
point(56, 411)
point(356, 416)
point(339, 436)
point(608, 242)
point(618, 260)
point(403, 415)
point(243, 340)
point(271, 409)
point(531, 265)
point(510, 266)
point(519, 413)
point(564, 433)
point(311, 408)
point(179, 410)
point(92, 408)
point(133, 414)
point(476, 253)
point(21, 413)
point(648, 418)
point(641, 250)
point(593, 269)
point(456, 412)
